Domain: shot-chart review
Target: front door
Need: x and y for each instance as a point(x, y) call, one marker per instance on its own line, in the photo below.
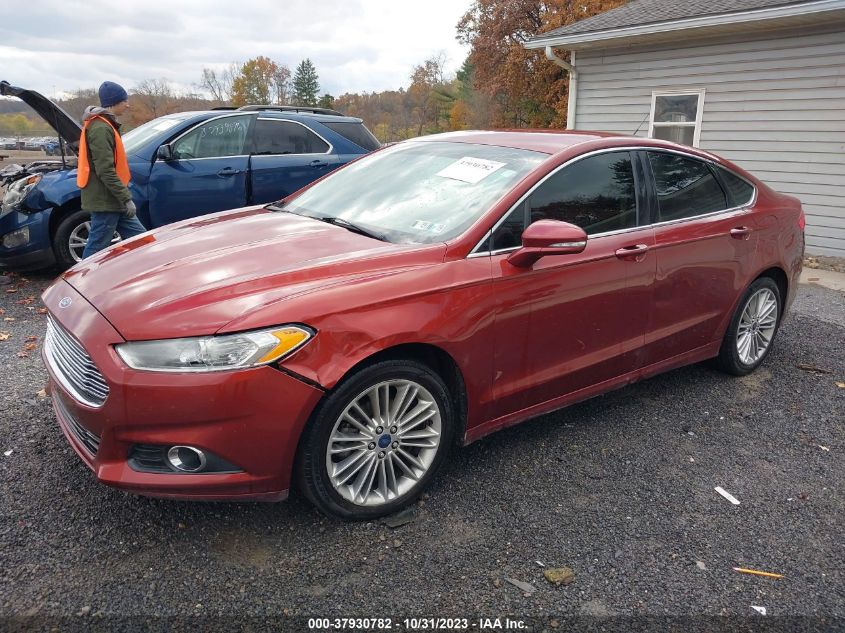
point(208, 171)
point(573, 321)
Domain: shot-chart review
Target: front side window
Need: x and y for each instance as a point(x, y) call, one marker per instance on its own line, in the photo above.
point(275, 136)
point(596, 193)
point(225, 136)
point(685, 187)
point(676, 116)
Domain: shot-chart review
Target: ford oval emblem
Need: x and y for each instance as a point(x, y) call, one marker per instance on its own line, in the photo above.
point(65, 302)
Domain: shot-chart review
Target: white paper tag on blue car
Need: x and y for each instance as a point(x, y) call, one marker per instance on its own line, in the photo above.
point(471, 170)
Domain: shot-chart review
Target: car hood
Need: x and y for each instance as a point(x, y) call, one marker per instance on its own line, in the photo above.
point(68, 129)
point(194, 277)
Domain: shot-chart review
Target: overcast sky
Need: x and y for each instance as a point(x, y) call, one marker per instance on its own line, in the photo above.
point(356, 45)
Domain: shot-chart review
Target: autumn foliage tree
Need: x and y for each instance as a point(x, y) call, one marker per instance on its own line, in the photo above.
point(261, 81)
point(525, 88)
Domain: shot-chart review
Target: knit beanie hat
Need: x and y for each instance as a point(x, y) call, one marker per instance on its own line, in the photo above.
point(111, 94)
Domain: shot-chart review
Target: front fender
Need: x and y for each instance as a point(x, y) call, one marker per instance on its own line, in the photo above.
point(56, 189)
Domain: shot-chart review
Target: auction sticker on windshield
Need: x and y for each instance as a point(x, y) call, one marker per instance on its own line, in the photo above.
point(471, 170)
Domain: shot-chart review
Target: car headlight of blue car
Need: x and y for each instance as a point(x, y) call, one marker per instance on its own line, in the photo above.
point(16, 192)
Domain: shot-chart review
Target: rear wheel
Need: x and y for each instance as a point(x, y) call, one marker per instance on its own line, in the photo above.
point(71, 236)
point(377, 441)
point(752, 330)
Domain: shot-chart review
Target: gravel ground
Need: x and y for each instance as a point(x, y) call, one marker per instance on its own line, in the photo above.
point(619, 489)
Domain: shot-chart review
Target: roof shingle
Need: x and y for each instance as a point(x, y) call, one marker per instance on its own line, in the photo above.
point(641, 12)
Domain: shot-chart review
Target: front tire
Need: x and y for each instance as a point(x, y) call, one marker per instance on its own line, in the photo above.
point(377, 441)
point(752, 329)
point(71, 236)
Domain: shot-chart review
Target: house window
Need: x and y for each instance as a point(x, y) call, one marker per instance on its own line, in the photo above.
point(676, 116)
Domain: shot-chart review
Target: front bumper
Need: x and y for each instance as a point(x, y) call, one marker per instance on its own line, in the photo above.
point(251, 418)
point(38, 252)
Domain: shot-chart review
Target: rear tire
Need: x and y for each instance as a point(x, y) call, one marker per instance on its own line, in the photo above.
point(752, 330)
point(376, 441)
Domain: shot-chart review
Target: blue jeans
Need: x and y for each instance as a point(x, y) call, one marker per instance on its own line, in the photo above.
point(103, 226)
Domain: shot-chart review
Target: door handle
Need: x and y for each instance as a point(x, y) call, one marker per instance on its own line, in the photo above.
point(318, 163)
point(228, 171)
point(636, 252)
point(740, 232)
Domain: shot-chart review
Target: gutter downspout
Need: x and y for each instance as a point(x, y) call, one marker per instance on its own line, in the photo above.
point(573, 83)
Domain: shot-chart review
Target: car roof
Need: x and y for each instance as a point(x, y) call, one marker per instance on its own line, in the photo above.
point(557, 141)
point(546, 141)
point(272, 114)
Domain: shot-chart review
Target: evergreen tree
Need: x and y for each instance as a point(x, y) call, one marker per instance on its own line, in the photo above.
point(326, 101)
point(305, 84)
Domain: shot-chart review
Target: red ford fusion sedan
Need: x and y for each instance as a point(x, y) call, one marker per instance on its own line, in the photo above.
point(341, 340)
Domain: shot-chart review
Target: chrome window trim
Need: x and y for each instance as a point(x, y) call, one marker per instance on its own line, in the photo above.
point(191, 129)
point(320, 136)
point(476, 253)
point(174, 160)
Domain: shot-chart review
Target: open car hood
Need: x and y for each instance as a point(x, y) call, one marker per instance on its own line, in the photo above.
point(68, 129)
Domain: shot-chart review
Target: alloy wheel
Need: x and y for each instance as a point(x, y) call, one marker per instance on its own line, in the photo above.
point(384, 442)
point(79, 238)
point(757, 326)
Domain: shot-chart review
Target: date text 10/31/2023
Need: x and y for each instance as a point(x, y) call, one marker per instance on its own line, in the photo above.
point(417, 624)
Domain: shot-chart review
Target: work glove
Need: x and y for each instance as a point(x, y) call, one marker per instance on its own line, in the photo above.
point(130, 210)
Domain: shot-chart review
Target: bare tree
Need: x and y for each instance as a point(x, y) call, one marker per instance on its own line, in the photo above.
point(219, 86)
point(155, 95)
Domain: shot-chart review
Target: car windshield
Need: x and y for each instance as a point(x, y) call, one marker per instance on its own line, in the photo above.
point(135, 139)
point(418, 192)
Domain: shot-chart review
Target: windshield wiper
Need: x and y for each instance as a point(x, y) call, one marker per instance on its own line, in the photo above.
point(355, 228)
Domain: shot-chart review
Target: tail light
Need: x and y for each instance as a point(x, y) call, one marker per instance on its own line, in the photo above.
point(802, 221)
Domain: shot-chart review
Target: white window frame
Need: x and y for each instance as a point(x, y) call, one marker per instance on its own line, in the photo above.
point(679, 93)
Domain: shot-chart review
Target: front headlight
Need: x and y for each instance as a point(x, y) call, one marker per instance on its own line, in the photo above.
point(17, 192)
point(215, 353)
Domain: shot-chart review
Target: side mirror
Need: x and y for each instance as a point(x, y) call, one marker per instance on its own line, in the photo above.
point(548, 237)
point(165, 152)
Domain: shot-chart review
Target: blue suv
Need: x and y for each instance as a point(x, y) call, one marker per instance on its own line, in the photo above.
point(183, 165)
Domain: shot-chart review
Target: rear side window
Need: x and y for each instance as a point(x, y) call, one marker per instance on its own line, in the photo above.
point(596, 193)
point(355, 132)
point(275, 136)
point(739, 190)
point(685, 187)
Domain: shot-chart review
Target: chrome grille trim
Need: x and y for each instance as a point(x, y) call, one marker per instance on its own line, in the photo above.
point(72, 366)
point(89, 440)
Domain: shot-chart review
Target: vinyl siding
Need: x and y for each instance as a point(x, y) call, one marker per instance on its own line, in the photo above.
point(774, 106)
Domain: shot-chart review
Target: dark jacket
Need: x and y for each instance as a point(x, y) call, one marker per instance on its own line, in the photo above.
point(104, 191)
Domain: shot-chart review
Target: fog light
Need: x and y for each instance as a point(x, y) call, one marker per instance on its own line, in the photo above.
point(186, 458)
point(16, 238)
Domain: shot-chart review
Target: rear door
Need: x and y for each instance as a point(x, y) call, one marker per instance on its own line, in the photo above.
point(286, 156)
point(704, 252)
point(572, 321)
point(208, 171)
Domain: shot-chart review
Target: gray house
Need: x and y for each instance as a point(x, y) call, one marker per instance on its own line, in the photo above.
point(759, 82)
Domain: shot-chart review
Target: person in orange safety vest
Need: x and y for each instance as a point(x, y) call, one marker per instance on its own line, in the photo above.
point(103, 172)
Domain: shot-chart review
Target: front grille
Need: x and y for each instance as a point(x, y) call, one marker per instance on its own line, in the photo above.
point(90, 440)
point(73, 367)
